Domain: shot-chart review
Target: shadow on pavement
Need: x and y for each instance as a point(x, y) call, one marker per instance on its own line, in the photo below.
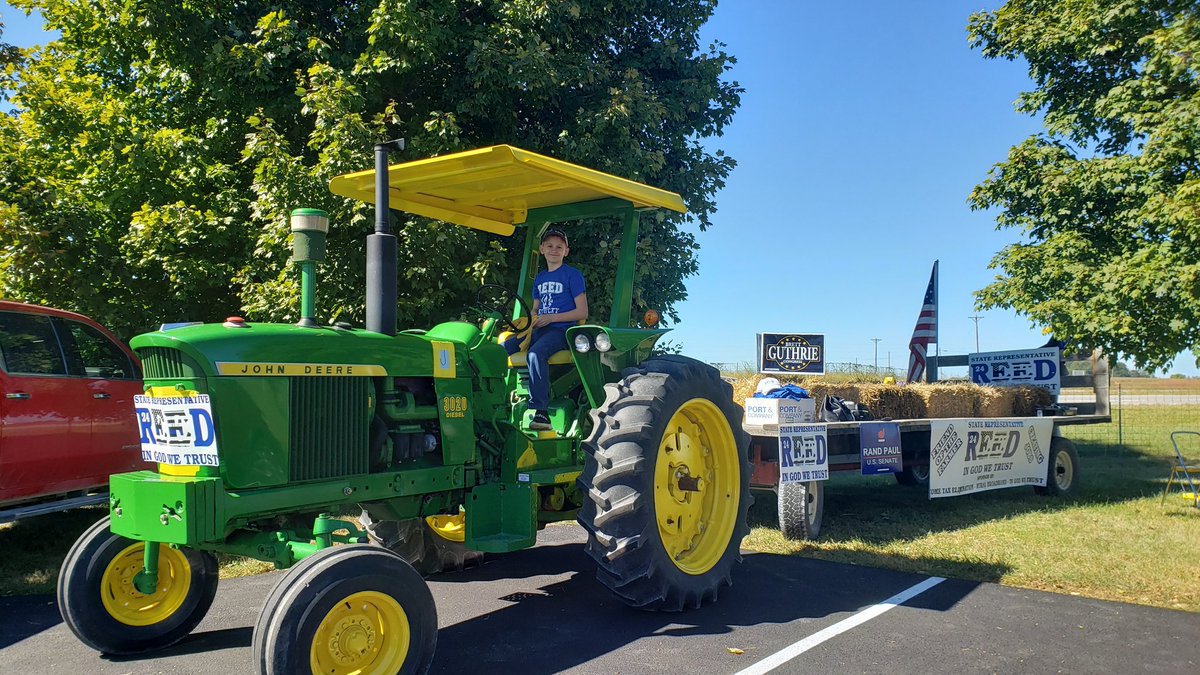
point(196, 643)
point(25, 616)
point(576, 620)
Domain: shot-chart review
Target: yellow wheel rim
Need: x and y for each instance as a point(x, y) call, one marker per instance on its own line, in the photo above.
point(366, 633)
point(696, 486)
point(125, 603)
point(450, 528)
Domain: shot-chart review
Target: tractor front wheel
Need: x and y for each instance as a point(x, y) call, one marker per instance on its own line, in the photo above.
point(666, 479)
point(347, 609)
point(101, 605)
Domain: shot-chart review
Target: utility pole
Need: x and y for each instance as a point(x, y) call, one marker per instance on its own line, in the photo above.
point(876, 341)
point(976, 319)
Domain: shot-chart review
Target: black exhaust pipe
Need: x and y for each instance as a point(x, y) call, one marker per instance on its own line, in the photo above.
point(381, 251)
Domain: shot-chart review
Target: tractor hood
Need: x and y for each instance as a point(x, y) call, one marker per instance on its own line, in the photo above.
point(252, 349)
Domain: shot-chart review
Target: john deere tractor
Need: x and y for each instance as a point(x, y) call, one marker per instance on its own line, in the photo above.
point(353, 456)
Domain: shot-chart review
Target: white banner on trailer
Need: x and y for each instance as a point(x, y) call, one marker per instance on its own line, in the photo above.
point(974, 455)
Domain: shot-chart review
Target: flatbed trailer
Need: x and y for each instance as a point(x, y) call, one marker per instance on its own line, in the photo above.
point(801, 505)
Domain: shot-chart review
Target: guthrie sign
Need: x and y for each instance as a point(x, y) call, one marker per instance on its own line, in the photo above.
point(798, 353)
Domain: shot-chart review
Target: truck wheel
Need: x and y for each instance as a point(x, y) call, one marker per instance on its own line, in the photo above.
point(347, 609)
point(1062, 472)
point(431, 545)
point(801, 506)
point(667, 480)
point(100, 604)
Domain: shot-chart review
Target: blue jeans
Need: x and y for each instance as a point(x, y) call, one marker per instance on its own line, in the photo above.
point(544, 343)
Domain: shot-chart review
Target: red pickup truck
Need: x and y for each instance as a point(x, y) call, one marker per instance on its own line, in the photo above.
point(66, 409)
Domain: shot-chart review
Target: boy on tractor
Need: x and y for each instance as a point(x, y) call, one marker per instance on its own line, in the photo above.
point(559, 301)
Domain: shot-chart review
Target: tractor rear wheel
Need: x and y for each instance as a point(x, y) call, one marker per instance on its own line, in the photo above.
point(347, 609)
point(667, 484)
point(103, 608)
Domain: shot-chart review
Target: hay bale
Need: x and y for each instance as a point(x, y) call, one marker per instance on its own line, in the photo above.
point(891, 401)
point(996, 401)
point(948, 400)
point(743, 388)
point(1026, 400)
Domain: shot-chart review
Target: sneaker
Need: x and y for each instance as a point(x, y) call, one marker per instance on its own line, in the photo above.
point(540, 420)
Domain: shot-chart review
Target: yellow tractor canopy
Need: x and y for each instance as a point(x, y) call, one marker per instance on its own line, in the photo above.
point(493, 189)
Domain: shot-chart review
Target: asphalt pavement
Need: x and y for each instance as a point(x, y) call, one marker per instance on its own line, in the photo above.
point(542, 611)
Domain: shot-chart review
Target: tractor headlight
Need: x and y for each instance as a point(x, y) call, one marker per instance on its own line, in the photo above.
point(582, 344)
point(603, 342)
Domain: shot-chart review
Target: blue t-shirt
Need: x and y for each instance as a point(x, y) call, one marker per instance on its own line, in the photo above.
point(556, 292)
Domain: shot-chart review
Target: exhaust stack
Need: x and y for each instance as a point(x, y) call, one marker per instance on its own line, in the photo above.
point(381, 251)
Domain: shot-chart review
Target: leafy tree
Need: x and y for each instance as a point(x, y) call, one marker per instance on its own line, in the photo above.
point(1108, 197)
point(159, 146)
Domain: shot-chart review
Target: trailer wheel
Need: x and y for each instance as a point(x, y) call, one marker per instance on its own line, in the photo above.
point(1062, 472)
point(431, 545)
point(801, 506)
point(913, 475)
point(667, 484)
point(102, 607)
point(347, 609)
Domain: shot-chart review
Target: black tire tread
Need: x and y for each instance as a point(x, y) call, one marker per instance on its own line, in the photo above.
point(794, 507)
point(618, 513)
point(305, 577)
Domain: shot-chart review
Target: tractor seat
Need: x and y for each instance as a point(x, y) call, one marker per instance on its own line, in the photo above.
point(520, 359)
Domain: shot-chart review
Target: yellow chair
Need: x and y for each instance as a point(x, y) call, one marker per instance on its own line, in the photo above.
point(1183, 470)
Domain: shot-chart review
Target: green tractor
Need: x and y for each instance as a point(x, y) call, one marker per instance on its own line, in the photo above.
point(362, 458)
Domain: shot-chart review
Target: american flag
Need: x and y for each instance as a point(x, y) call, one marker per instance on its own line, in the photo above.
point(926, 331)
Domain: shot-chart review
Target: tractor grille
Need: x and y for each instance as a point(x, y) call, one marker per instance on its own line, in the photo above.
point(329, 427)
point(159, 363)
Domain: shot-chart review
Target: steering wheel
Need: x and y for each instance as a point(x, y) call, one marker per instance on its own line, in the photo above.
point(487, 302)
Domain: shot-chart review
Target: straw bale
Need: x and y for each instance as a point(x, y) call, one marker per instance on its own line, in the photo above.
point(996, 401)
point(820, 389)
point(1026, 400)
point(948, 400)
point(891, 401)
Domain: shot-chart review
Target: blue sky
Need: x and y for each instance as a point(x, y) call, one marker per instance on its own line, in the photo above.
point(863, 128)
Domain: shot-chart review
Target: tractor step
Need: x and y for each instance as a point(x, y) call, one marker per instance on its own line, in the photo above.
point(501, 518)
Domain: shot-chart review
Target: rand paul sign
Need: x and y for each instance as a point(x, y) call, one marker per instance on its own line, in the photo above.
point(791, 353)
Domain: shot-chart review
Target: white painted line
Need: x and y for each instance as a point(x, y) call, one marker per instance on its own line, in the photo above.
point(796, 649)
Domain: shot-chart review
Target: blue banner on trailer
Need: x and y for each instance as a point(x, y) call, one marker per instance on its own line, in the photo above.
point(879, 445)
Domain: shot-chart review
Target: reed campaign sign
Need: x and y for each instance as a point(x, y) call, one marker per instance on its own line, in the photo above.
point(803, 453)
point(1034, 367)
point(974, 455)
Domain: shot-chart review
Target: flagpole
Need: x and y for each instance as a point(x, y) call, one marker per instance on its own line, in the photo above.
point(937, 326)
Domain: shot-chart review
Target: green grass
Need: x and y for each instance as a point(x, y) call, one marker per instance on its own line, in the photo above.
point(1111, 540)
point(34, 550)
